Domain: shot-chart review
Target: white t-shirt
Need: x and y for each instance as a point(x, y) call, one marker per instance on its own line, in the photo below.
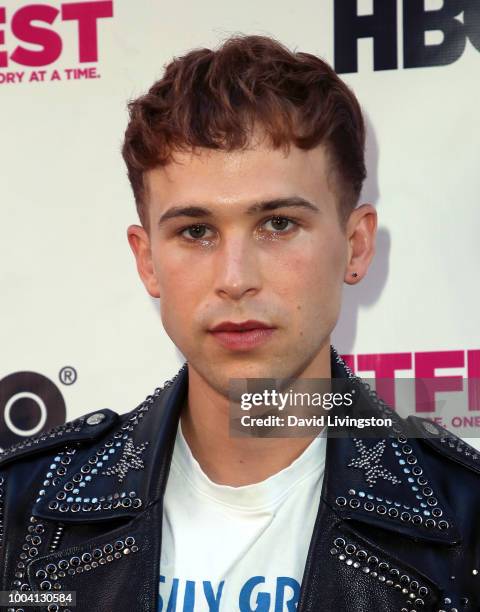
point(228, 549)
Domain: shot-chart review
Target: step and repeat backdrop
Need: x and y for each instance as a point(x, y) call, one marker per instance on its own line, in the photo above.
point(78, 331)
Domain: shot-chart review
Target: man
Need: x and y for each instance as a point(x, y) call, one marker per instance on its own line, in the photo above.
point(246, 165)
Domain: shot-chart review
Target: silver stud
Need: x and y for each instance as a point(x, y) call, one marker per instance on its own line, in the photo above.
point(95, 419)
point(430, 427)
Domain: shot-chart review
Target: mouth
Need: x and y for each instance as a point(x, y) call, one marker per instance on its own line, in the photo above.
point(242, 336)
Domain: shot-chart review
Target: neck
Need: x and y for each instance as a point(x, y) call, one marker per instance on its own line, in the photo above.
point(238, 461)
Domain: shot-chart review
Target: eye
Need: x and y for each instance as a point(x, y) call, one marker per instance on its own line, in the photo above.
point(195, 232)
point(280, 224)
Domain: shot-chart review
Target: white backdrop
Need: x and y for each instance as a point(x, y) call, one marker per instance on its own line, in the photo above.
point(70, 291)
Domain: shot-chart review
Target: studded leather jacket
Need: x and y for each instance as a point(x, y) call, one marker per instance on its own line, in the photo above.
point(397, 529)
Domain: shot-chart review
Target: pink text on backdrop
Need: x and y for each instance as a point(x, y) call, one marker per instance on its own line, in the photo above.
point(23, 27)
point(424, 365)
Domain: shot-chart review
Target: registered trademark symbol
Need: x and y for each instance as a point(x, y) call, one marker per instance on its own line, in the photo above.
point(67, 375)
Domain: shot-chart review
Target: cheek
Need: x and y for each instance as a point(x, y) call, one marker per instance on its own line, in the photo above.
point(171, 287)
point(311, 281)
point(182, 289)
point(175, 275)
point(317, 264)
point(178, 298)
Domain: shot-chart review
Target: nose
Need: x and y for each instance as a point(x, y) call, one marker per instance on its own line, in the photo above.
point(237, 266)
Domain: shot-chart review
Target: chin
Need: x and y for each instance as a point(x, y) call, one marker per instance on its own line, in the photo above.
point(260, 368)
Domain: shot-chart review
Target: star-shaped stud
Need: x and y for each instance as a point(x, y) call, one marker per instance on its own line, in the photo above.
point(130, 460)
point(369, 460)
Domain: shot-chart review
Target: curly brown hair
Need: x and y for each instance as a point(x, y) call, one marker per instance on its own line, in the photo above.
point(214, 99)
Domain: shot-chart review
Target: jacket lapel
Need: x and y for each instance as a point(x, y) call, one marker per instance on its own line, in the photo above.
point(115, 486)
point(384, 481)
point(123, 473)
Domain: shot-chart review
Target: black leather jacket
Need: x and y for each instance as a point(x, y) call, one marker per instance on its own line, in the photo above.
point(398, 525)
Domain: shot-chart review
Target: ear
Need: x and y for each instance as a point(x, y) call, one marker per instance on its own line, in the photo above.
point(361, 232)
point(140, 244)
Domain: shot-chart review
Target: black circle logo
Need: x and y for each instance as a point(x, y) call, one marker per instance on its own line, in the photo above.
point(30, 403)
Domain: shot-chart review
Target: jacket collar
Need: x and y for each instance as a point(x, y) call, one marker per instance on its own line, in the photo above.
point(122, 473)
point(383, 482)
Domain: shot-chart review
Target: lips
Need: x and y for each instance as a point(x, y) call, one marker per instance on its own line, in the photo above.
point(242, 336)
point(229, 326)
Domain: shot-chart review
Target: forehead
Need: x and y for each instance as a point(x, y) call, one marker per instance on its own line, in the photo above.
point(214, 176)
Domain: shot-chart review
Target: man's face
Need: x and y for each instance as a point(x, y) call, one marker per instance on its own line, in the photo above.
point(283, 266)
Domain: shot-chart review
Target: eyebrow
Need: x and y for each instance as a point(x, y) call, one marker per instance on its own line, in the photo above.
point(258, 207)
